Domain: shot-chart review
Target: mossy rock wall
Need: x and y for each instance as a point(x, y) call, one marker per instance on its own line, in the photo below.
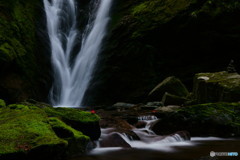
point(217, 87)
point(23, 73)
point(151, 40)
point(210, 119)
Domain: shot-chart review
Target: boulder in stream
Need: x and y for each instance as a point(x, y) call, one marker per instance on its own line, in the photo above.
point(86, 122)
point(114, 140)
point(172, 85)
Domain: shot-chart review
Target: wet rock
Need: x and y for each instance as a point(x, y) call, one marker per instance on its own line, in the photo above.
point(171, 85)
point(114, 140)
point(149, 108)
point(169, 108)
point(216, 87)
point(123, 105)
point(154, 104)
point(131, 119)
point(120, 126)
point(140, 124)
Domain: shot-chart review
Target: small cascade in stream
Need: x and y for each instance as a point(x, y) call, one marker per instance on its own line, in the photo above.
point(72, 73)
point(147, 139)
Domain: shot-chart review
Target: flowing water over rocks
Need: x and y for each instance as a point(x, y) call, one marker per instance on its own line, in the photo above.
point(126, 134)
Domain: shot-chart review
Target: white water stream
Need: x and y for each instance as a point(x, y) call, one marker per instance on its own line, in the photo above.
point(72, 77)
point(148, 139)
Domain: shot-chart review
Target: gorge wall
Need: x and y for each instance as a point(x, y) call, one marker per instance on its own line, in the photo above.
point(150, 40)
point(23, 66)
point(147, 41)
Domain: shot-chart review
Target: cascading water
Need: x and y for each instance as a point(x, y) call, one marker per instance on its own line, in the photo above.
point(147, 138)
point(72, 77)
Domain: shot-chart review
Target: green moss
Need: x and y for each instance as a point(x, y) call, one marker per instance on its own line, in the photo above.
point(18, 107)
point(224, 79)
point(22, 129)
point(224, 113)
point(217, 7)
point(150, 14)
point(77, 142)
point(17, 31)
point(72, 114)
point(18, 43)
point(171, 85)
point(2, 103)
point(210, 119)
point(59, 125)
point(215, 87)
point(7, 52)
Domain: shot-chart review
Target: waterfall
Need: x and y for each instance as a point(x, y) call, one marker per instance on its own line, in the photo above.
point(72, 73)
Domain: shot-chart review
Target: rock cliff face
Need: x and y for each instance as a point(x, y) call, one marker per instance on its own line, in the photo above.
point(150, 40)
point(23, 68)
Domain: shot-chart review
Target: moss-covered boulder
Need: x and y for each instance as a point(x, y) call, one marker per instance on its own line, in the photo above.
point(27, 132)
point(211, 119)
point(217, 87)
point(77, 141)
point(171, 85)
point(86, 122)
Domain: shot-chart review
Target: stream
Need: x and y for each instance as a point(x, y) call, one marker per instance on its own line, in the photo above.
point(153, 147)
